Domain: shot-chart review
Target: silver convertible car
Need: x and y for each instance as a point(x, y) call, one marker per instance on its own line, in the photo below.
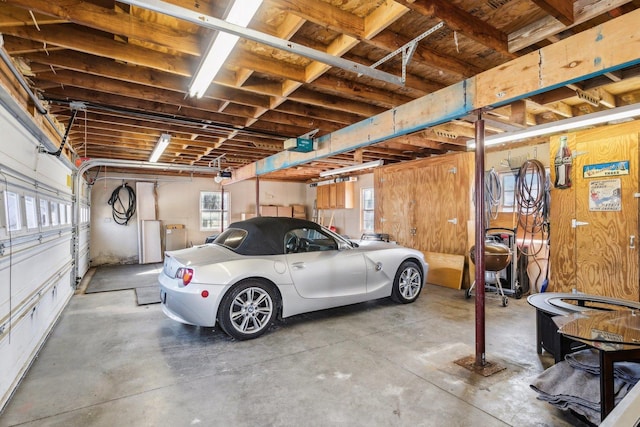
point(267, 267)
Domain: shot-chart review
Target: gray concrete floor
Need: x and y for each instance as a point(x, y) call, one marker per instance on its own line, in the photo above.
point(110, 362)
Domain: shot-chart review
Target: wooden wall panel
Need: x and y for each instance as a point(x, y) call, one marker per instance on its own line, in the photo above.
point(563, 247)
point(562, 268)
point(426, 204)
point(394, 201)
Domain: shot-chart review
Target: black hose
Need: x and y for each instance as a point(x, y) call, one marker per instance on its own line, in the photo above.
point(122, 215)
point(532, 188)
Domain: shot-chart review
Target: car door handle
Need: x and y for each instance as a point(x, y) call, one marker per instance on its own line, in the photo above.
point(297, 265)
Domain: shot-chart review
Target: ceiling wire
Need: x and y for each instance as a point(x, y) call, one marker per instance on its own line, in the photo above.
point(164, 118)
point(33, 18)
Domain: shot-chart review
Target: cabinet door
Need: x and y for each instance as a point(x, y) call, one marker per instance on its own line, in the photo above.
point(340, 195)
point(346, 197)
point(333, 196)
point(322, 197)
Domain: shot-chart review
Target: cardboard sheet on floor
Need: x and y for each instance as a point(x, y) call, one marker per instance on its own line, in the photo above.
point(445, 269)
point(148, 295)
point(119, 277)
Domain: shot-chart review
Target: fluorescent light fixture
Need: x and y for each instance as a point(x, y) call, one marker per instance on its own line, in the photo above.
point(241, 13)
point(161, 145)
point(353, 168)
point(612, 115)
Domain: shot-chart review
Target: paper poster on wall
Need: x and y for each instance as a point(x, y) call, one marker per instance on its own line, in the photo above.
point(604, 195)
point(606, 169)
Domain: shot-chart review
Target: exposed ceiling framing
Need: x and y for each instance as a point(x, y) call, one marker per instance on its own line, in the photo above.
point(131, 68)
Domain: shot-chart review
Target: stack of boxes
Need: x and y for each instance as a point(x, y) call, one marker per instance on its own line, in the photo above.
point(295, 211)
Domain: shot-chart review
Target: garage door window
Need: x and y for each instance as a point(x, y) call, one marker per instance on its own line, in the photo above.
point(214, 215)
point(12, 211)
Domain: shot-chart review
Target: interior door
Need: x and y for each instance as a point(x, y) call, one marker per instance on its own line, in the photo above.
point(606, 223)
point(397, 206)
point(438, 194)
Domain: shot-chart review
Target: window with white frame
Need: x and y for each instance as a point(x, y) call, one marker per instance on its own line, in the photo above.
point(31, 212)
point(12, 211)
point(69, 217)
point(54, 214)
point(508, 200)
point(63, 213)
point(44, 213)
point(214, 214)
point(367, 209)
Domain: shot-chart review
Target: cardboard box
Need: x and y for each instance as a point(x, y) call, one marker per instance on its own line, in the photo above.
point(268, 210)
point(285, 211)
point(298, 209)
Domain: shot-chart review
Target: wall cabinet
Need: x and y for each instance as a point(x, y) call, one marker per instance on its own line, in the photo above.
point(335, 196)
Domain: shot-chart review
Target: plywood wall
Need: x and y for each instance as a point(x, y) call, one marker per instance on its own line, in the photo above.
point(426, 204)
point(565, 275)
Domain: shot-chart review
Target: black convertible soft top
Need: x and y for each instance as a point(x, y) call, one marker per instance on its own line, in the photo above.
point(265, 234)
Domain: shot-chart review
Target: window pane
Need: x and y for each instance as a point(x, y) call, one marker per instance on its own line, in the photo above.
point(211, 217)
point(368, 222)
point(12, 204)
point(68, 214)
point(31, 212)
point(367, 209)
point(44, 213)
point(367, 198)
point(63, 214)
point(54, 213)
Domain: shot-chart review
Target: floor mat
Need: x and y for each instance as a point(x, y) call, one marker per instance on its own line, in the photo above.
point(148, 295)
point(119, 277)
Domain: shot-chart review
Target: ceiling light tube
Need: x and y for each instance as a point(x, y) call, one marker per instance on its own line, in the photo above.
point(612, 115)
point(353, 168)
point(241, 13)
point(161, 145)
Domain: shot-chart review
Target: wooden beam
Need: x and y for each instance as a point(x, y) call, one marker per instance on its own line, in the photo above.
point(460, 20)
point(592, 52)
point(113, 21)
point(94, 44)
point(103, 67)
point(391, 41)
point(584, 10)
point(562, 10)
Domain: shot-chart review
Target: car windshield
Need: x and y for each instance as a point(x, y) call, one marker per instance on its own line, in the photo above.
point(231, 238)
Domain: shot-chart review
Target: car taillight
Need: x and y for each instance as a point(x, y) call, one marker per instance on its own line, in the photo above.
point(186, 274)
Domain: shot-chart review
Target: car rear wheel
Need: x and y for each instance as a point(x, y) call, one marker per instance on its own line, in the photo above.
point(248, 309)
point(407, 283)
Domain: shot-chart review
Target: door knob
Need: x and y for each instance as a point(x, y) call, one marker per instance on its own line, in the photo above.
point(453, 221)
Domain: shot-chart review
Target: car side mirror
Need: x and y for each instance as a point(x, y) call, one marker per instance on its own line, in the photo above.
point(343, 246)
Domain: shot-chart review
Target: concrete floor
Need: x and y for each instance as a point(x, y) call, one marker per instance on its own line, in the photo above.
point(110, 362)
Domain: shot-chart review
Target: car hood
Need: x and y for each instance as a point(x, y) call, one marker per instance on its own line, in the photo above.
point(201, 255)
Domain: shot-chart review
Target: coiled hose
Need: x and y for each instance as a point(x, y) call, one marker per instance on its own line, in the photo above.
point(122, 215)
point(532, 202)
point(492, 196)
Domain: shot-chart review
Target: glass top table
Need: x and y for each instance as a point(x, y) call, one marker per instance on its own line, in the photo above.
point(608, 330)
point(616, 336)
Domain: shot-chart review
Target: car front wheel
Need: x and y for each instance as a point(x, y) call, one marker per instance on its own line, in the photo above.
point(248, 309)
point(407, 283)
